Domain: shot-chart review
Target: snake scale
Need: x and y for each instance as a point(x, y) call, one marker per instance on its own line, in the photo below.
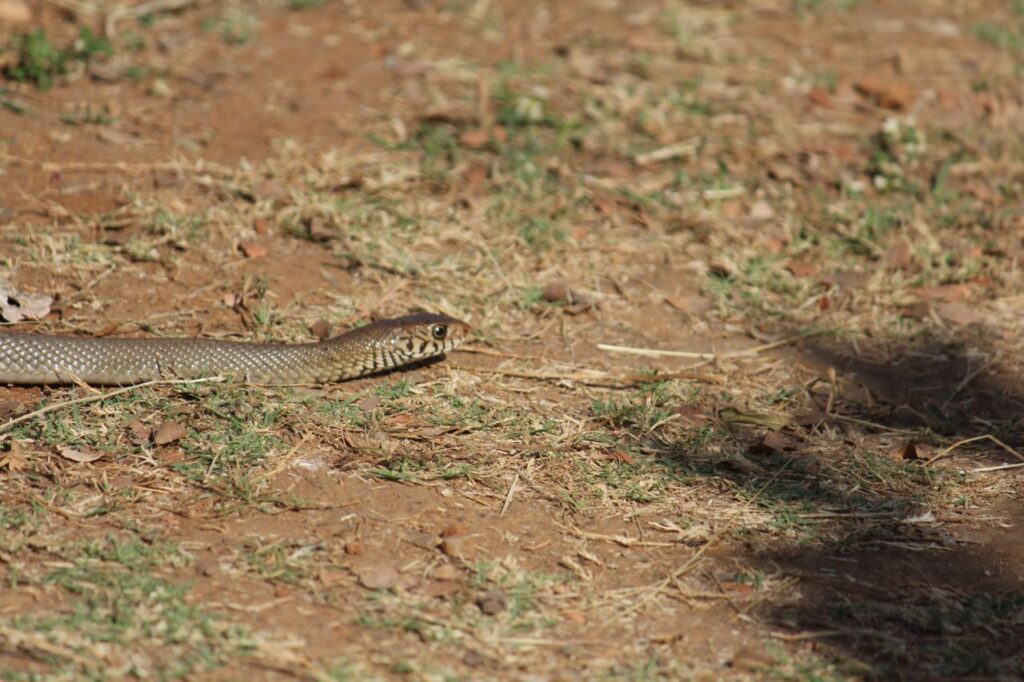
point(377, 347)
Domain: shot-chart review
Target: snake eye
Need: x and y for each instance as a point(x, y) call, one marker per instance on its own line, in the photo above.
point(439, 331)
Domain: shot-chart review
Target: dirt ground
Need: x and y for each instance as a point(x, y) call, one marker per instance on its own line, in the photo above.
point(743, 397)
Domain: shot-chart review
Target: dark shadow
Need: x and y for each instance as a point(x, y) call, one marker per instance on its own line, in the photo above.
point(896, 580)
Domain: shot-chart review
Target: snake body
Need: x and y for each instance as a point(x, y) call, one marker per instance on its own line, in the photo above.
point(377, 347)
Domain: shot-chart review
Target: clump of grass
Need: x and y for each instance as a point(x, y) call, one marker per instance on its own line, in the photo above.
point(120, 602)
point(39, 61)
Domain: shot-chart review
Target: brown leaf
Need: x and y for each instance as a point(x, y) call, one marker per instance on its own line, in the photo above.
point(847, 279)
point(694, 304)
point(945, 292)
point(820, 97)
point(802, 268)
point(691, 415)
point(14, 459)
point(575, 616)
point(454, 547)
point(10, 409)
point(620, 456)
point(886, 94)
point(477, 138)
point(912, 450)
point(251, 250)
point(898, 255)
point(169, 432)
point(140, 432)
point(455, 528)
point(603, 203)
point(79, 456)
point(260, 225)
point(960, 313)
point(474, 177)
point(377, 576)
point(439, 589)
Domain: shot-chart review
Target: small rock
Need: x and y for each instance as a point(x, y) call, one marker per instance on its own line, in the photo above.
point(556, 290)
point(353, 548)
point(492, 602)
point(378, 577)
point(321, 329)
point(445, 572)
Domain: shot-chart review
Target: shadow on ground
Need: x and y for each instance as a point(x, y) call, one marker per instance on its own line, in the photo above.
point(902, 577)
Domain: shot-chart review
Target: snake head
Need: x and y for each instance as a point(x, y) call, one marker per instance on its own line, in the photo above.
point(427, 335)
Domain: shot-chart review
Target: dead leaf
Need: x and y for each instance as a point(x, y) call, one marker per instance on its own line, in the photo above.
point(820, 97)
point(944, 292)
point(454, 547)
point(691, 415)
point(14, 459)
point(140, 432)
point(10, 409)
point(898, 255)
point(771, 443)
point(79, 456)
point(603, 203)
point(477, 138)
point(16, 306)
point(260, 225)
point(455, 528)
point(250, 250)
point(960, 313)
point(912, 451)
point(691, 305)
point(474, 177)
point(885, 94)
point(847, 279)
point(620, 456)
point(169, 432)
point(575, 616)
point(802, 268)
point(377, 576)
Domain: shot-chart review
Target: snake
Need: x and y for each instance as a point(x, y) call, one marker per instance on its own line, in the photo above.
point(377, 347)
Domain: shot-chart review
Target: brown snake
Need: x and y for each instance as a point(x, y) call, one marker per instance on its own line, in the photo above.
point(377, 347)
